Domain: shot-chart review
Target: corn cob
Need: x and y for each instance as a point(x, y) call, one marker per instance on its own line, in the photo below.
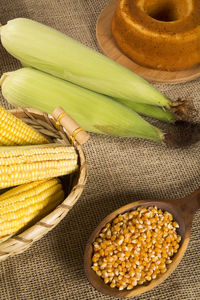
point(31, 163)
point(61, 56)
point(13, 131)
point(22, 204)
point(94, 112)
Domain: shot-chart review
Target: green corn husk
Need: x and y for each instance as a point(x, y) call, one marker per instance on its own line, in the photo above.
point(46, 49)
point(28, 87)
point(152, 111)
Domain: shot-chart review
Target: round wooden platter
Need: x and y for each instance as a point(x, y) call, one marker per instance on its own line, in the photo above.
point(109, 48)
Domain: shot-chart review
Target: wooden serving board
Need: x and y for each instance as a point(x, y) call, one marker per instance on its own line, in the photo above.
point(109, 48)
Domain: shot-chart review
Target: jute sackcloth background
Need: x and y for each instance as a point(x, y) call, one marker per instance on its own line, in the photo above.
point(120, 171)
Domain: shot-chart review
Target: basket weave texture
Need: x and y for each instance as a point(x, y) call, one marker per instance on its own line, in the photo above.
point(73, 184)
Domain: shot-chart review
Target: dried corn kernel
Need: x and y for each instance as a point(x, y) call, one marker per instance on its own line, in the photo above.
point(136, 247)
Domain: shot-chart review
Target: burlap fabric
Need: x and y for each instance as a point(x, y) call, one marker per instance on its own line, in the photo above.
point(120, 171)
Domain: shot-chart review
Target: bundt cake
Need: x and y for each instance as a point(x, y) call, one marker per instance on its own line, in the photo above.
point(160, 34)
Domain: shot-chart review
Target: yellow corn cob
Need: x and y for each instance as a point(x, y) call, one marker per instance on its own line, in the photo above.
point(23, 164)
point(22, 204)
point(13, 131)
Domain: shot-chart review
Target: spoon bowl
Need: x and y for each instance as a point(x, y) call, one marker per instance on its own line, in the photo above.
point(182, 211)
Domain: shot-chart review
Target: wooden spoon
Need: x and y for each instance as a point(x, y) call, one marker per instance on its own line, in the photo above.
point(183, 212)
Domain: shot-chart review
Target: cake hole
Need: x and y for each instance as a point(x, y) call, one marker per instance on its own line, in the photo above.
point(165, 10)
point(165, 14)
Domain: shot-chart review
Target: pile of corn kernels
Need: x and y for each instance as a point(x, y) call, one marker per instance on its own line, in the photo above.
point(135, 248)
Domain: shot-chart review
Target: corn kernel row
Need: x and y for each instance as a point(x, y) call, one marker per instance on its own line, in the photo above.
point(135, 248)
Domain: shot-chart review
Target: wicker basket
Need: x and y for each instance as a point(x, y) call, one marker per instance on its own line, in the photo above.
point(73, 183)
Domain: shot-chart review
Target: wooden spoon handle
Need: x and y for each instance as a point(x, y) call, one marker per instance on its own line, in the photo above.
point(195, 198)
point(190, 204)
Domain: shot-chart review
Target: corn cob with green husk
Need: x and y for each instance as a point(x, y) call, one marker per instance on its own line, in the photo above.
point(94, 112)
point(21, 205)
point(23, 164)
point(63, 57)
point(13, 131)
point(151, 111)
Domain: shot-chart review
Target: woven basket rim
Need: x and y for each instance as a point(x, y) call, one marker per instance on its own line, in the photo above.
point(21, 242)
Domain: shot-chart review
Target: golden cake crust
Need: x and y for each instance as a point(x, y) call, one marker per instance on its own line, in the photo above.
point(161, 34)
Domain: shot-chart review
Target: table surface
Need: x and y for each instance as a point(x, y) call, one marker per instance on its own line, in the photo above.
point(120, 171)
